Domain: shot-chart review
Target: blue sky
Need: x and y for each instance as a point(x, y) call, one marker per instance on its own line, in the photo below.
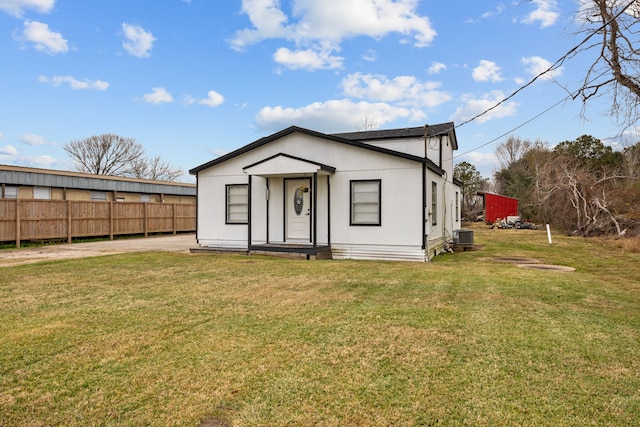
point(193, 79)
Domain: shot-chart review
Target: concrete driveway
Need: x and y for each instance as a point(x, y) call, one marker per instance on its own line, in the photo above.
point(178, 243)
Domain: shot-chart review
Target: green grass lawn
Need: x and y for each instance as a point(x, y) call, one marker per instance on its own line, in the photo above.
point(173, 339)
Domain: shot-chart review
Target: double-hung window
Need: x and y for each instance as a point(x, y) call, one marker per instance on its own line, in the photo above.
point(365, 202)
point(237, 204)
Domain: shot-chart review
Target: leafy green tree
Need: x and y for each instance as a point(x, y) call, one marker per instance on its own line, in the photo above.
point(591, 153)
point(472, 182)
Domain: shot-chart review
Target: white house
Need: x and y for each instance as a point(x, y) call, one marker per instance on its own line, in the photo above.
point(383, 194)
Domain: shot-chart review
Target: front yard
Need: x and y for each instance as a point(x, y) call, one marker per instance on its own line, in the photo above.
point(174, 339)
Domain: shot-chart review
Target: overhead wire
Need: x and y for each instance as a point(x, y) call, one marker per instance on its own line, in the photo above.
point(554, 66)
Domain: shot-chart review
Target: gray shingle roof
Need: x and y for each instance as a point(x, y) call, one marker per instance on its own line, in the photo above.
point(413, 132)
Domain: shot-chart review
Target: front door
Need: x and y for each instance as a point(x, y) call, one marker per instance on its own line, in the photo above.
point(298, 210)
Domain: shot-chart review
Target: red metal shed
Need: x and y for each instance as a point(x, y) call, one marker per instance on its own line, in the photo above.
point(496, 206)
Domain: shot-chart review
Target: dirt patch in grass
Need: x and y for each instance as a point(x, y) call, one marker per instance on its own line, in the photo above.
point(532, 263)
point(547, 267)
point(515, 260)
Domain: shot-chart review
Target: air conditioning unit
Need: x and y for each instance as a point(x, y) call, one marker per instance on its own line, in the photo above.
point(463, 237)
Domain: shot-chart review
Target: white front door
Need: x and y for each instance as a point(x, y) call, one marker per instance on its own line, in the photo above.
point(298, 210)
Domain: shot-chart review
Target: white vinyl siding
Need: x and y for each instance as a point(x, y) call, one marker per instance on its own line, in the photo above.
point(365, 202)
point(237, 204)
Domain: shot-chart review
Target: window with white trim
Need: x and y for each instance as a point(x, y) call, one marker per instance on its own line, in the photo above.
point(237, 204)
point(145, 198)
point(365, 202)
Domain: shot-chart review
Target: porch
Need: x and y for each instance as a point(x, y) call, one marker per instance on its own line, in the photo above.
point(283, 250)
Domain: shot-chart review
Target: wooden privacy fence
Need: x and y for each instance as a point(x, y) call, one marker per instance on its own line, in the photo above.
point(25, 219)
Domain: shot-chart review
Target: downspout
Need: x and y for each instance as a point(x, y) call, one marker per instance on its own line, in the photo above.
point(197, 216)
point(329, 210)
point(424, 205)
point(267, 197)
point(425, 237)
point(444, 206)
point(249, 218)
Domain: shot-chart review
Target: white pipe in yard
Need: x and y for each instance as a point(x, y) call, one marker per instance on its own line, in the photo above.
point(549, 233)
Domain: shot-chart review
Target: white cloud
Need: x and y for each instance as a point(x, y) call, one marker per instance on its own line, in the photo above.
point(307, 59)
point(332, 116)
point(535, 65)
point(40, 161)
point(475, 106)
point(17, 7)
point(1, 136)
point(546, 13)
point(488, 14)
point(32, 139)
point(322, 26)
point(43, 39)
point(9, 153)
point(402, 90)
point(85, 84)
point(436, 67)
point(8, 150)
point(213, 99)
point(159, 95)
point(268, 22)
point(484, 162)
point(138, 42)
point(487, 71)
point(370, 55)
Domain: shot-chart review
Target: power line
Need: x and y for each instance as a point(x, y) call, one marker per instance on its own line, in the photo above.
point(555, 65)
point(551, 68)
point(515, 128)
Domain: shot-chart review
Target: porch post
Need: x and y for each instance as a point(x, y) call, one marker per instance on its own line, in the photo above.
point(315, 210)
point(249, 217)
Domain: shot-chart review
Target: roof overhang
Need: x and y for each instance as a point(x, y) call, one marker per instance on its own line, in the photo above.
point(286, 165)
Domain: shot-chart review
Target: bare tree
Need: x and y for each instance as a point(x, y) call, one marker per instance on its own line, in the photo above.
point(105, 154)
point(512, 149)
point(154, 168)
point(616, 69)
point(366, 123)
point(110, 154)
point(631, 159)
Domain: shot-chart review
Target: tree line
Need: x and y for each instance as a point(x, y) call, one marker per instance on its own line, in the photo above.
point(582, 186)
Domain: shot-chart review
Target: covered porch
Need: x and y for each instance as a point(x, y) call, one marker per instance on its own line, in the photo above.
point(289, 208)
